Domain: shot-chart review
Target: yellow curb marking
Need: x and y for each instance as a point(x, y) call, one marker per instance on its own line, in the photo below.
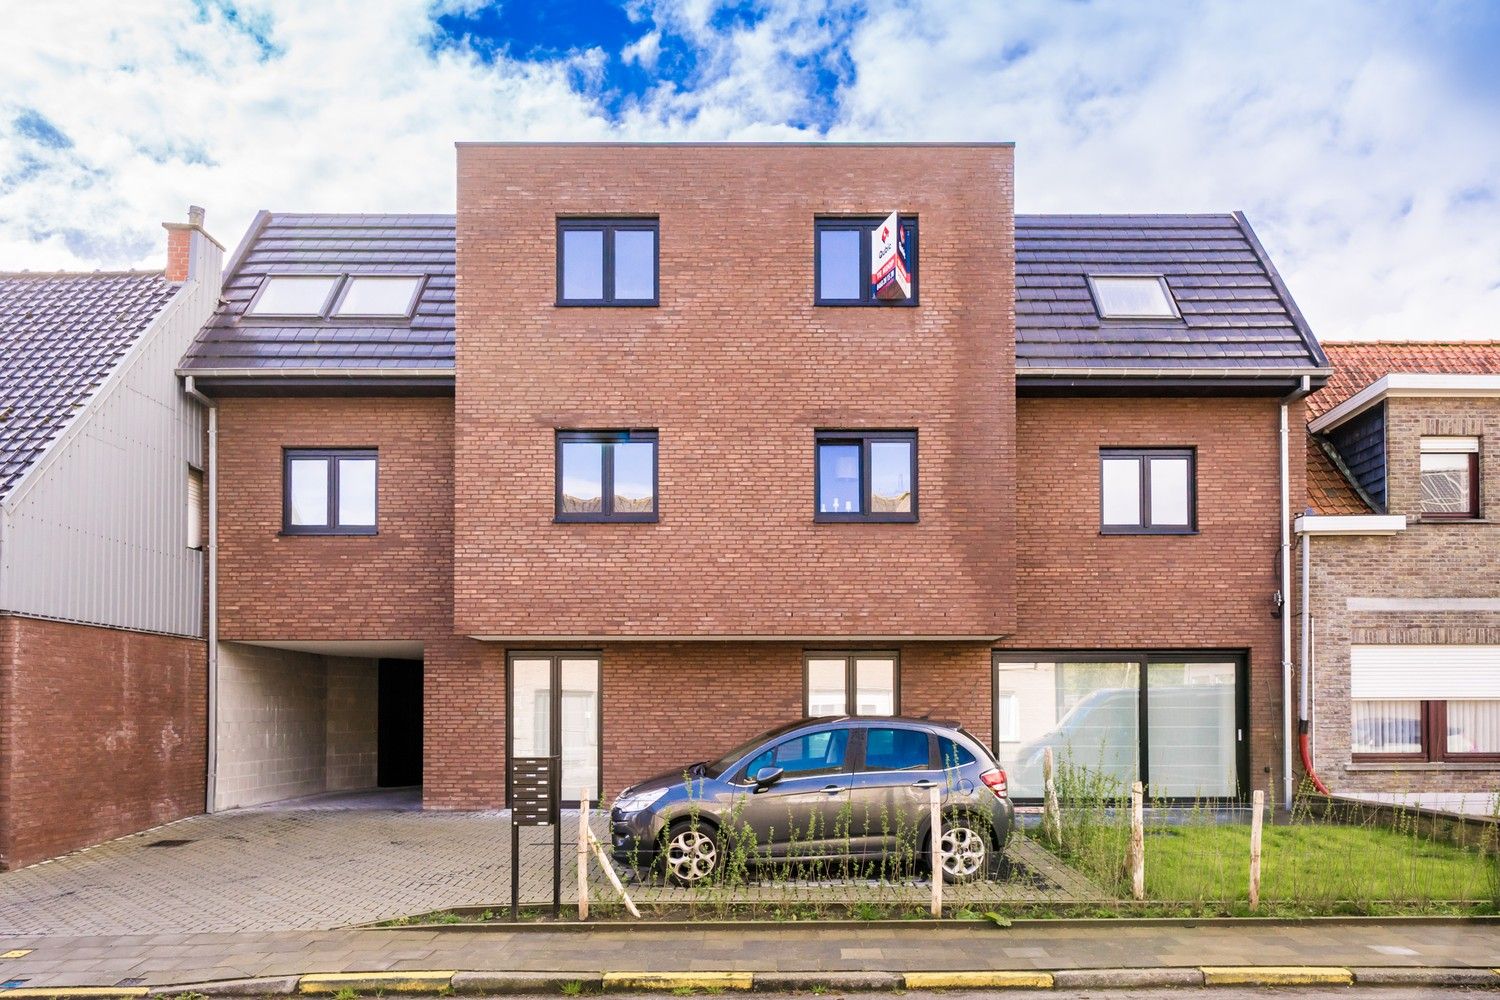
point(677, 980)
point(1276, 975)
point(389, 982)
point(978, 980)
point(18, 953)
point(76, 991)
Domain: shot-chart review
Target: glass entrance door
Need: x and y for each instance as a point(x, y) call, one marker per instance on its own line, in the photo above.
point(554, 709)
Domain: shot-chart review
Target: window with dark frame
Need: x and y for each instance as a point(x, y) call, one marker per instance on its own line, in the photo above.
point(606, 476)
point(1148, 491)
point(1425, 731)
point(842, 261)
point(1450, 478)
point(863, 682)
point(608, 262)
point(865, 476)
point(329, 491)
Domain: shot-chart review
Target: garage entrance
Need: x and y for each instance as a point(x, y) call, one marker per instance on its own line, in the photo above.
point(308, 719)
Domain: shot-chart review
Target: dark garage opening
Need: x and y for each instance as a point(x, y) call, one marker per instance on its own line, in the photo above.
point(399, 749)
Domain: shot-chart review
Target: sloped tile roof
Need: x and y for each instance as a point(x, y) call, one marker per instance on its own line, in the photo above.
point(1329, 490)
point(1236, 313)
point(60, 337)
point(1357, 365)
point(335, 244)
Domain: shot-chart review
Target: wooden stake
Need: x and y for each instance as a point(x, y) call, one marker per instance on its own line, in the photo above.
point(1137, 841)
point(933, 799)
point(1051, 815)
point(1258, 801)
point(583, 855)
point(609, 873)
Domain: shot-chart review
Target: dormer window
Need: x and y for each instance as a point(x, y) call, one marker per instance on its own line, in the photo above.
point(293, 295)
point(1132, 296)
point(379, 295)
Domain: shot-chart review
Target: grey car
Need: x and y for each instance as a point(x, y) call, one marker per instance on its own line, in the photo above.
point(852, 788)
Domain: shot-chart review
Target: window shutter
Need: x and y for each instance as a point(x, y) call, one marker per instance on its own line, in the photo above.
point(1449, 445)
point(1433, 673)
point(195, 508)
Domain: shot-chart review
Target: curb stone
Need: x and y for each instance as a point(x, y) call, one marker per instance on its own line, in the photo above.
point(1277, 975)
point(524, 982)
point(375, 982)
point(774, 982)
point(997, 980)
point(678, 980)
point(264, 986)
point(1093, 979)
point(1387, 976)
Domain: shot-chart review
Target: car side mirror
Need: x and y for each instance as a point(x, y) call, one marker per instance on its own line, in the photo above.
point(766, 777)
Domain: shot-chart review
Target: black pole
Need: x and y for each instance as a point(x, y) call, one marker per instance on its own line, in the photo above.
point(557, 837)
point(515, 869)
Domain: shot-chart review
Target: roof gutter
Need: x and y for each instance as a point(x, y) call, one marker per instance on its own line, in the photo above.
point(289, 373)
point(1399, 384)
point(1114, 371)
point(211, 782)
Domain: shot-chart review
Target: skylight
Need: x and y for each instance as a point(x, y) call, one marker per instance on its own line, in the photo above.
point(378, 296)
point(1122, 296)
point(288, 295)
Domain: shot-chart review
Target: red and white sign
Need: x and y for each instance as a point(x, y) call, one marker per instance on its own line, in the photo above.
point(890, 272)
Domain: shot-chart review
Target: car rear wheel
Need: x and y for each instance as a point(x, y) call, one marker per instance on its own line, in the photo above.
point(964, 850)
point(691, 853)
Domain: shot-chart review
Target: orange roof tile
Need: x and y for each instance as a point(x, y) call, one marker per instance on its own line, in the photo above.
point(1356, 365)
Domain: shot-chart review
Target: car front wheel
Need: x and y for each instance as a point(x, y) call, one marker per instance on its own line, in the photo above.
point(691, 853)
point(964, 851)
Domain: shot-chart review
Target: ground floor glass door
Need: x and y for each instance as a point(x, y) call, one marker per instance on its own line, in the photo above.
point(1172, 721)
point(554, 708)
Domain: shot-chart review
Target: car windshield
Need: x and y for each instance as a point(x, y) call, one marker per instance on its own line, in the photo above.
point(714, 768)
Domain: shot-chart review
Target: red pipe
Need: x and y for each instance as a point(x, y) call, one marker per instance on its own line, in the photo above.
point(1307, 762)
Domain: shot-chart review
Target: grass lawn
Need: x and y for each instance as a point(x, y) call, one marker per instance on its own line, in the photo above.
point(1312, 863)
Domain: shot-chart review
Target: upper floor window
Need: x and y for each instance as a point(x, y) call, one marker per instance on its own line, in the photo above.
point(1450, 477)
point(864, 683)
point(607, 262)
point(1147, 491)
point(328, 491)
point(843, 258)
point(866, 476)
point(606, 476)
point(378, 295)
point(293, 295)
point(1132, 296)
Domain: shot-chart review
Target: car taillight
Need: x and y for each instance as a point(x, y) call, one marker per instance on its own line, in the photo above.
point(994, 780)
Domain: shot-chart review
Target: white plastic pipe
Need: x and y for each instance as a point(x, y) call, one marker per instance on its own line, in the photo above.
point(211, 785)
point(1288, 735)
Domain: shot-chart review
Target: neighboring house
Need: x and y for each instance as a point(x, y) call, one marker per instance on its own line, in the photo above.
point(627, 462)
point(1402, 646)
point(101, 565)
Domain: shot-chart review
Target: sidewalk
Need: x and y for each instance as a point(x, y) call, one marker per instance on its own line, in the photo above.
point(164, 959)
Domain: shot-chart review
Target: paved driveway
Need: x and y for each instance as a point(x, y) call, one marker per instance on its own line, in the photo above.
point(317, 867)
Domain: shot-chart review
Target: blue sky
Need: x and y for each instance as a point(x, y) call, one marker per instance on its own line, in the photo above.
point(1362, 137)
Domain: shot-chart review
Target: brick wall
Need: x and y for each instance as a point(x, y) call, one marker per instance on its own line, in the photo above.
point(1431, 560)
point(392, 585)
point(101, 735)
point(1078, 589)
point(353, 723)
point(736, 369)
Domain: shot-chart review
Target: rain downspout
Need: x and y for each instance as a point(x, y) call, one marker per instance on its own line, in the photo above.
point(1304, 694)
point(212, 784)
point(1286, 589)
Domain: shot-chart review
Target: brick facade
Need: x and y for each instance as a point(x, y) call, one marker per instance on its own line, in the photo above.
point(736, 369)
point(1429, 560)
point(395, 585)
point(101, 735)
point(1079, 589)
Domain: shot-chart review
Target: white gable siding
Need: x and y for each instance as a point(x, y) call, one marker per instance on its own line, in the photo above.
point(94, 533)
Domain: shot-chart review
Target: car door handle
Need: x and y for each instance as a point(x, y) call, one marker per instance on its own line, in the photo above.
point(833, 789)
point(924, 783)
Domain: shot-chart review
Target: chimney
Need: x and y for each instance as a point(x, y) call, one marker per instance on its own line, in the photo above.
point(180, 244)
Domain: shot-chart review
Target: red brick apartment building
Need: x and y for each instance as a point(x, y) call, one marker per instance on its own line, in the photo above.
point(635, 443)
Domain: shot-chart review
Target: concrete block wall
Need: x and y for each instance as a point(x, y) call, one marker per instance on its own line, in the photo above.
point(292, 724)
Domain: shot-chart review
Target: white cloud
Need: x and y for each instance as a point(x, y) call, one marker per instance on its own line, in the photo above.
point(1361, 138)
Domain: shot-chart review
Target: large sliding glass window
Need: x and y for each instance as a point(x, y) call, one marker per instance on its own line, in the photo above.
point(1171, 721)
